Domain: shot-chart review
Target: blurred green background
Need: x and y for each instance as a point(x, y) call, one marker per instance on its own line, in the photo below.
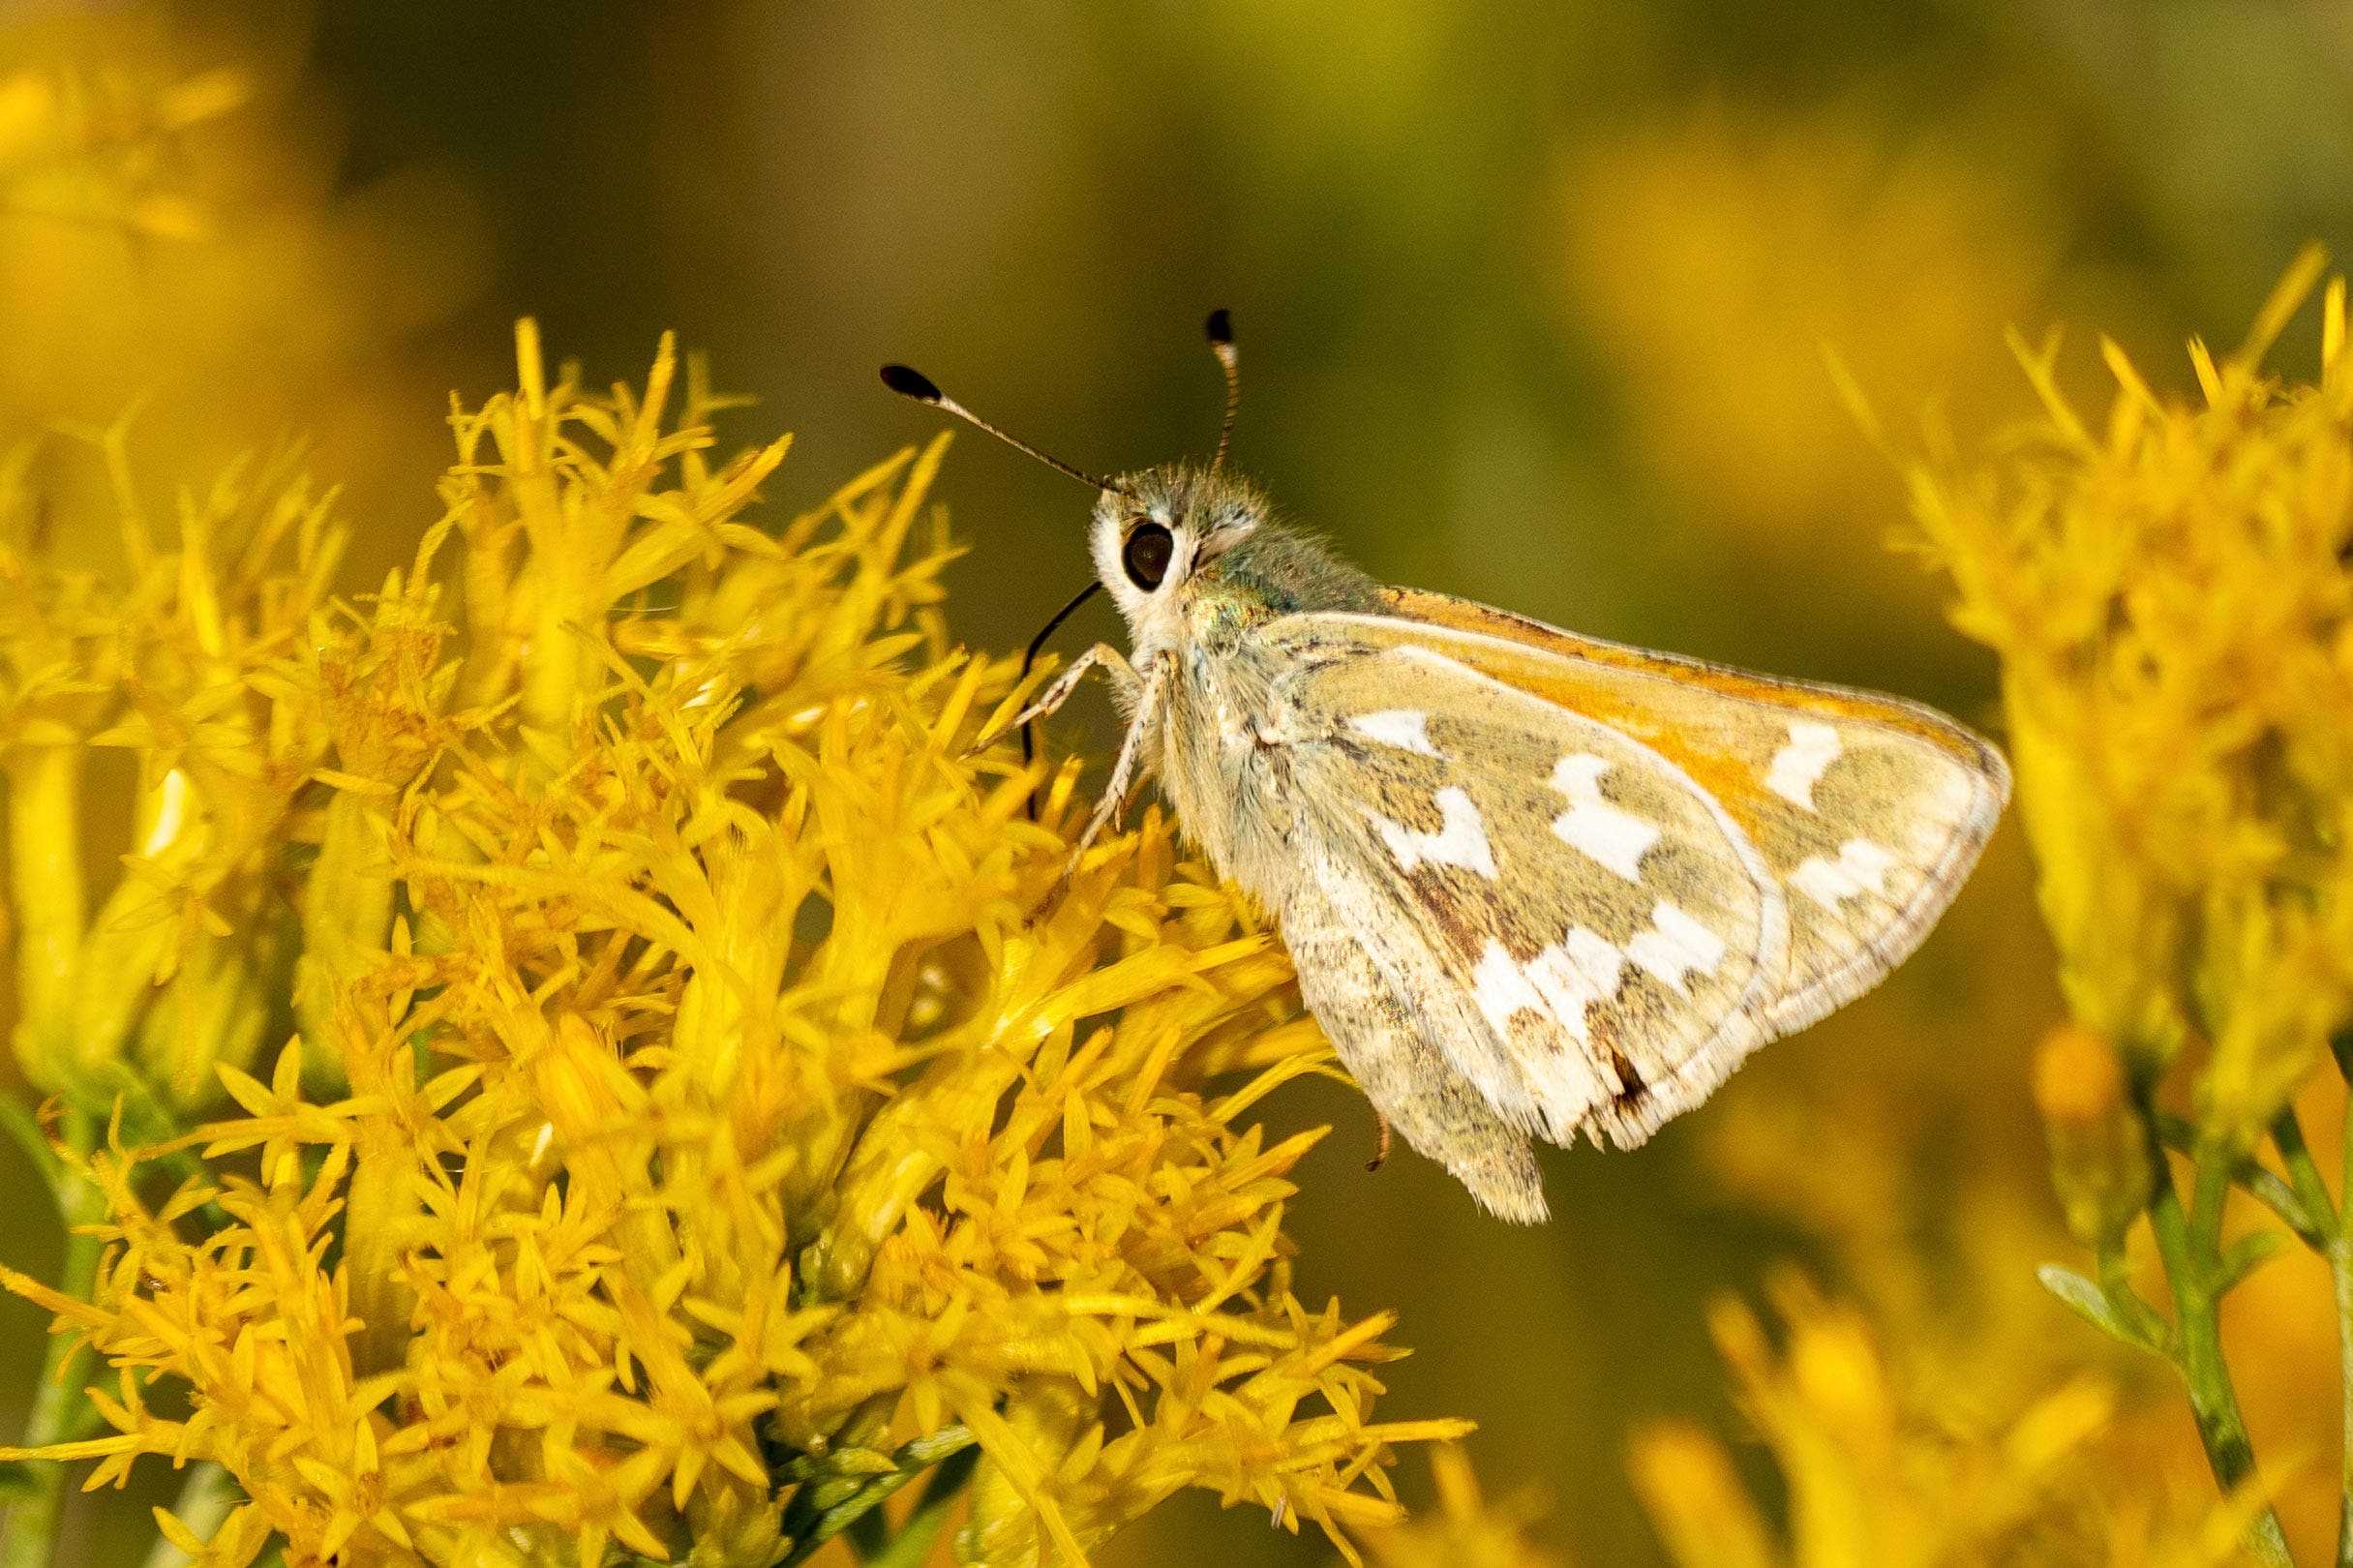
point(1532, 302)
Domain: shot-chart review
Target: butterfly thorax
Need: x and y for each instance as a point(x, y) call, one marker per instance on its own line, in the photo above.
point(1202, 633)
point(1277, 570)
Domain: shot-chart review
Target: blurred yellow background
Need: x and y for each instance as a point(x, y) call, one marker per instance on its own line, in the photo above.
point(1533, 302)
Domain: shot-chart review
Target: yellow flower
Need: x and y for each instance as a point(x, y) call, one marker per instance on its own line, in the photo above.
point(1875, 1478)
point(165, 212)
point(1465, 1530)
point(2099, 1148)
point(2166, 594)
point(2167, 591)
point(711, 1109)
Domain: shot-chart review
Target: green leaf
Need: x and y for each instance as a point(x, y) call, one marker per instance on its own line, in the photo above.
point(2091, 1304)
point(913, 1543)
point(2245, 1255)
point(821, 1511)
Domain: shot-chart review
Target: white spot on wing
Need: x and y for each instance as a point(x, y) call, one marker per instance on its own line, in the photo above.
point(1502, 989)
point(1861, 866)
point(1800, 765)
point(1554, 987)
point(1400, 727)
point(1939, 811)
point(1675, 946)
point(1461, 839)
point(1610, 837)
point(1580, 969)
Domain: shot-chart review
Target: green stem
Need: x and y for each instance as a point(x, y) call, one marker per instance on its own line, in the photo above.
point(23, 1130)
point(2304, 1174)
point(47, 896)
point(380, 1203)
point(2336, 1247)
point(2251, 1177)
point(2116, 1283)
point(2340, 1273)
point(2186, 1244)
point(913, 1544)
point(29, 1538)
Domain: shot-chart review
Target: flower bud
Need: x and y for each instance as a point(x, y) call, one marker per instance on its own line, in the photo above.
point(2099, 1150)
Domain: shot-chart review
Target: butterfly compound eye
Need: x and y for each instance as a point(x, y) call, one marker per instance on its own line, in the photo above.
point(1146, 555)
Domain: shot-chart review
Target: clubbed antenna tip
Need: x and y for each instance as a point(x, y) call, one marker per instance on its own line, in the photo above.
point(909, 383)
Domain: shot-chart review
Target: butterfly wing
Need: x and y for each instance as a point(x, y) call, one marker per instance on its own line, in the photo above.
point(1401, 1063)
point(1869, 810)
point(1598, 884)
point(1586, 935)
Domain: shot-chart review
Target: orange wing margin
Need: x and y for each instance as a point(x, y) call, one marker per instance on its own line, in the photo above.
point(1588, 676)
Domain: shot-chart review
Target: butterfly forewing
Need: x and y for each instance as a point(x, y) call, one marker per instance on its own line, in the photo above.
point(1584, 928)
point(1869, 810)
point(1638, 813)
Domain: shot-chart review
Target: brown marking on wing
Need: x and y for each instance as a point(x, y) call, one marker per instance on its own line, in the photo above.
point(1461, 927)
point(1631, 1085)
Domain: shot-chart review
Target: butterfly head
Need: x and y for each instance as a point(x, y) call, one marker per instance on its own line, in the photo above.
point(1154, 532)
point(1164, 537)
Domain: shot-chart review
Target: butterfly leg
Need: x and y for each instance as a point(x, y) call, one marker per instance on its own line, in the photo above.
point(1145, 716)
point(1408, 1077)
point(1112, 662)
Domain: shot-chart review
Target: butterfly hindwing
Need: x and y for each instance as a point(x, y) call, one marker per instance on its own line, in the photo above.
point(1403, 1066)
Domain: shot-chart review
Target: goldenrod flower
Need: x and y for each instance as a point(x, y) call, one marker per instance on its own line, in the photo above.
point(2168, 594)
point(708, 1111)
point(179, 244)
point(2099, 1148)
point(1465, 1530)
point(1875, 1475)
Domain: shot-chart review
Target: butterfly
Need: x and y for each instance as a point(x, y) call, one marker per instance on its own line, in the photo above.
point(1535, 884)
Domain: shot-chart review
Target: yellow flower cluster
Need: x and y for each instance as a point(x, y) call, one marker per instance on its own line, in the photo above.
point(1875, 1477)
point(709, 1109)
point(178, 239)
point(94, 148)
point(2168, 595)
point(2169, 598)
point(1465, 1530)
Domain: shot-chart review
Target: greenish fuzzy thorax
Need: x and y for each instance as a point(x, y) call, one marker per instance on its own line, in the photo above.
point(1272, 564)
point(1289, 571)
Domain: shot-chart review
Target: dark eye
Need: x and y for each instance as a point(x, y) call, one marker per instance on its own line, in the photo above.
point(1146, 555)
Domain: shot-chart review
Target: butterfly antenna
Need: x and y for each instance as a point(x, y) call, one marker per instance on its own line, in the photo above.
point(912, 383)
point(1220, 331)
